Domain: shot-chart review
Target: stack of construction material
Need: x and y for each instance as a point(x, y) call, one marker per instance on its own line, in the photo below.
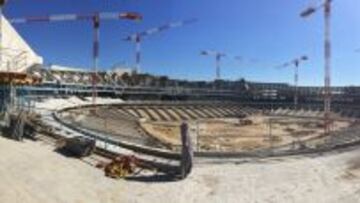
point(16, 128)
point(78, 146)
point(20, 127)
point(121, 167)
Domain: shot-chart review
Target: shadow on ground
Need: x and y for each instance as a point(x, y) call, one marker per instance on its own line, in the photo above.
point(157, 178)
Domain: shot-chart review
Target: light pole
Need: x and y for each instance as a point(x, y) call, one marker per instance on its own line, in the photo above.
point(327, 55)
point(270, 134)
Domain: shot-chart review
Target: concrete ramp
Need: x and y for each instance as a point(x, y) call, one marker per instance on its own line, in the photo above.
point(16, 55)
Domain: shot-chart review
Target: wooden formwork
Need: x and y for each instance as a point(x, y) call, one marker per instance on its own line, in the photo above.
point(7, 78)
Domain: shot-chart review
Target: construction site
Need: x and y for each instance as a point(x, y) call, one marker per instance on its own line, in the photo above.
point(130, 134)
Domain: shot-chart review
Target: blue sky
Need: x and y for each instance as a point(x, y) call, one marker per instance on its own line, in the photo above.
point(269, 31)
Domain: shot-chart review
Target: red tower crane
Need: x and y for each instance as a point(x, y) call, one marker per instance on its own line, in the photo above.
point(327, 55)
point(95, 18)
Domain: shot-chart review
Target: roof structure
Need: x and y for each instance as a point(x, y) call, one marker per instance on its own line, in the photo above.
point(16, 55)
point(60, 68)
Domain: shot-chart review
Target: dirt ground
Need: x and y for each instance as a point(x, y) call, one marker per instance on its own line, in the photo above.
point(32, 172)
point(242, 134)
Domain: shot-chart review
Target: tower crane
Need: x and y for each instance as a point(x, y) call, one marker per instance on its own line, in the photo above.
point(95, 18)
point(326, 6)
point(296, 63)
point(138, 37)
point(218, 56)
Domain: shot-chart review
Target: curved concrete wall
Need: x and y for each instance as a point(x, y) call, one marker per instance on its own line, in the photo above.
point(338, 140)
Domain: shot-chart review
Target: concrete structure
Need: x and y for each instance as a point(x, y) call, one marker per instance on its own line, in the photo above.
point(119, 70)
point(59, 68)
point(16, 54)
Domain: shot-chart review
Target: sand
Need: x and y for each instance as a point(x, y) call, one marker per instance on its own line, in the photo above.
point(228, 135)
point(32, 172)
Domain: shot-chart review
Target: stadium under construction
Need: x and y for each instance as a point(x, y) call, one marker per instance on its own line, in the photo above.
point(143, 112)
point(133, 120)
